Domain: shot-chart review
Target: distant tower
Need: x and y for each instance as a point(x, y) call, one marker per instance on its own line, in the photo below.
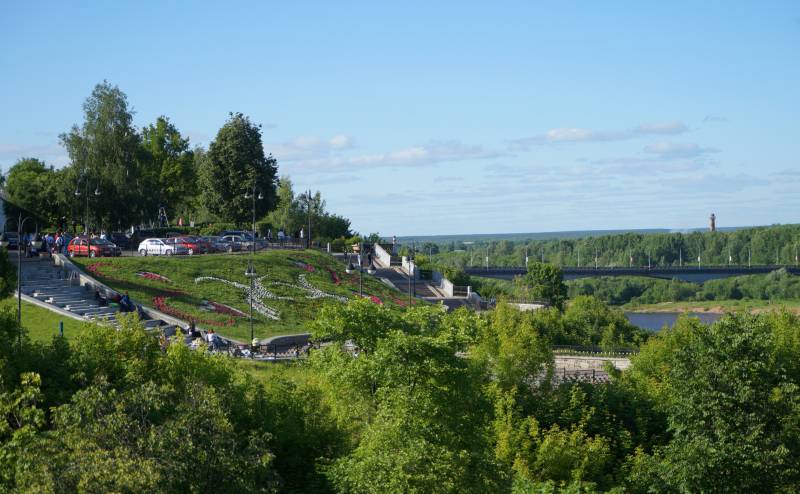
point(713, 226)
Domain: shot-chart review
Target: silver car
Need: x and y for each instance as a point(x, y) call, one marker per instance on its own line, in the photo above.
point(158, 247)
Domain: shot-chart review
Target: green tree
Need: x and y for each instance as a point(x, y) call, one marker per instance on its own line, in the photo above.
point(36, 189)
point(544, 282)
point(732, 404)
point(427, 431)
point(235, 162)
point(106, 157)
point(287, 214)
point(171, 169)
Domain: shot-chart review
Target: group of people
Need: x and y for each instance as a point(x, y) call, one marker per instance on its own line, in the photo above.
point(52, 242)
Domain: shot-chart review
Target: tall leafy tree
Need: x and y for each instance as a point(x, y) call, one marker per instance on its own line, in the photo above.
point(234, 164)
point(106, 157)
point(171, 169)
point(30, 185)
point(287, 213)
point(544, 282)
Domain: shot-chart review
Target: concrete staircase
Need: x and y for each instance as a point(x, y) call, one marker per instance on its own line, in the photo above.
point(60, 290)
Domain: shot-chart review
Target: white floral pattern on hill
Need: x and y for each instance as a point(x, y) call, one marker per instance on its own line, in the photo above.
point(260, 292)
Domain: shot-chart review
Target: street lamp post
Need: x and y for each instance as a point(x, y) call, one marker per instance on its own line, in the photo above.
point(78, 193)
point(251, 274)
point(251, 269)
point(4, 243)
point(370, 269)
point(309, 220)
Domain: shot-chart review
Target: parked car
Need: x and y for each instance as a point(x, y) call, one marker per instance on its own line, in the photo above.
point(205, 245)
point(247, 237)
point(191, 244)
point(92, 247)
point(12, 238)
point(120, 239)
point(244, 242)
point(220, 245)
point(158, 247)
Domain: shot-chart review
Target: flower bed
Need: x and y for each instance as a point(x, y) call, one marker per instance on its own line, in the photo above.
point(160, 303)
point(335, 277)
point(153, 276)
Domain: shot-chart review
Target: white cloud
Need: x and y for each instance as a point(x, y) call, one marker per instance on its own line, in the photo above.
point(670, 128)
point(341, 142)
point(305, 148)
point(54, 154)
point(424, 155)
point(670, 150)
point(577, 134)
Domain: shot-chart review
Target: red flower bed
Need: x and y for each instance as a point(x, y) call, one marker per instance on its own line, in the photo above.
point(160, 303)
point(335, 277)
point(226, 309)
point(154, 276)
point(373, 298)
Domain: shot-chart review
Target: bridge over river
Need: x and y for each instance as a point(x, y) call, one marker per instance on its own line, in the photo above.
point(696, 274)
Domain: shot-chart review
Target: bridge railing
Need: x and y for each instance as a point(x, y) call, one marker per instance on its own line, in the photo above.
point(686, 268)
point(593, 350)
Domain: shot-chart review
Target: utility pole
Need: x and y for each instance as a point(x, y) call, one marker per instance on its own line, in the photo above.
point(648, 259)
point(595, 258)
point(526, 258)
point(749, 258)
point(542, 255)
point(487, 258)
point(309, 219)
point(680, 258)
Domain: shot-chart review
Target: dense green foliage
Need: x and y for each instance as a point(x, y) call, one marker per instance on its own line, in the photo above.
point(543, 282)
point(778, 285)
point(293, 211)
point(407, 400)
point(760, 245)
point(235, 164)
point(427, 402)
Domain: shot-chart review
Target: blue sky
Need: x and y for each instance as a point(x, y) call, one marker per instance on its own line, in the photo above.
point(447, 117)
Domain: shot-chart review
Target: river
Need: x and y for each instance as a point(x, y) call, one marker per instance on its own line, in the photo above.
point(654, 321)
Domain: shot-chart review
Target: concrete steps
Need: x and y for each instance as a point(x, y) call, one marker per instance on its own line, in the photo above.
point(50, 284)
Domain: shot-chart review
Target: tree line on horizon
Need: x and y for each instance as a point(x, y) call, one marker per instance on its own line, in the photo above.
point(768, 245)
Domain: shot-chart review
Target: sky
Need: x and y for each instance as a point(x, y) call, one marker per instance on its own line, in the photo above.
point(426, 118)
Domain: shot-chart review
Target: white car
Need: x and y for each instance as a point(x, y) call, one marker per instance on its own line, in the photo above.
point(157, 247)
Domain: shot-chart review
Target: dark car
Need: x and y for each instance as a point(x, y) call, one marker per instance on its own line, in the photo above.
point(121, 240)
point(12, 238)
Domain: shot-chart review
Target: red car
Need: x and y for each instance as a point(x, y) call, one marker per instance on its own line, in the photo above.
point(92, 247)
point(193, 245)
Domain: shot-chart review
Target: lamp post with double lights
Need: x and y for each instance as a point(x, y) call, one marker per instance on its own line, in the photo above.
point(78, 194)
point(250, 273)
point(248, 195)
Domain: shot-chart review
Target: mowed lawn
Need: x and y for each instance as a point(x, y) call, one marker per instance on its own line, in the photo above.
point(171, 284)
point(42, 324)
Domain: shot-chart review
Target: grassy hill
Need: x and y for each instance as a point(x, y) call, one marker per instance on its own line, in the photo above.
point(41, 323)
point(294, 285)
